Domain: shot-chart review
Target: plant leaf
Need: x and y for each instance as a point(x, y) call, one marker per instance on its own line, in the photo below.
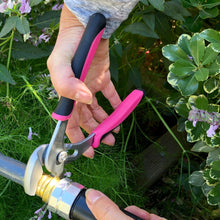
point(208, 13)
point(197, 46)
point(173, 53)
point(27, 51)
point(211, 3)
point(173, 80)
point(194, 133)
point(202, 74)
point(175, 10)
point(5, 75)
point(22, 25)
point(182, 108)
point(216, 47)
point(212, 156)
point(196, 178)
point(182, 68)
point(202, 147)
point(142, 29)
point(216, 140)
point(9, 25)
point(208, 177)
point(188, 85)
point(210, 85)
point(34, 2)
point(201, 102)
point(158, 4)
point(48, 18)
point(206, 188)
point(211, 35)
point(184, 43)
point(213, 196)
point(149, 20)
point(209, 56)
point(215, 165)
point(214, 68)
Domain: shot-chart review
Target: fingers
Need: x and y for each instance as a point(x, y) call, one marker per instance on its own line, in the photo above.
point(111, 94)
point(75, 134)
point(88, 123)
point(143, 214)
point(102, 207)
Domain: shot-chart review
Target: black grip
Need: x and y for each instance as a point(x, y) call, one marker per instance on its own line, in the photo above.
point(80, 210)
point(95, 26)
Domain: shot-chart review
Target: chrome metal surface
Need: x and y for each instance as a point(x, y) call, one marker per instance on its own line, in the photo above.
point(12, 169)
point(34, 170)
point(63, 196)
point(56, 146)
point(79, 148)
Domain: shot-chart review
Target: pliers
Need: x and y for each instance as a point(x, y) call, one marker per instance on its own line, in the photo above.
point(55, 154)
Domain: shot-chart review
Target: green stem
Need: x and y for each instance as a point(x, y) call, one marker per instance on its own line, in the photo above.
point(9, 59)
point(29, 86)
point(184, 152)
point(165, 124)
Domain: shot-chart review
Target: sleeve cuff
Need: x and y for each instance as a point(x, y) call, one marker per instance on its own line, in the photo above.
point(115, 11)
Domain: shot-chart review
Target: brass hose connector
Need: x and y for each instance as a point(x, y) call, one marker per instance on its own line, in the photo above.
point(45, 187)
point(59, 194)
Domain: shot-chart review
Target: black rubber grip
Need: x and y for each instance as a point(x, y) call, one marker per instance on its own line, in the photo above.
point(94, 27)
point(80, 210)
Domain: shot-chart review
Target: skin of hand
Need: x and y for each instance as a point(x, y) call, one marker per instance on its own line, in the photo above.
point(104, 208)
point(87, 113)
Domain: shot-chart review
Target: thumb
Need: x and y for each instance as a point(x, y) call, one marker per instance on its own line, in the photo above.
point(102, 207)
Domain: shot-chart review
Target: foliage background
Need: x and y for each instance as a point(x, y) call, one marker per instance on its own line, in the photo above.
point(27, 99)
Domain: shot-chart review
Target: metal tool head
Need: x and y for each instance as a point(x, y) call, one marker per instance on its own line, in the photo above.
point(34, 170)
point(54, 155)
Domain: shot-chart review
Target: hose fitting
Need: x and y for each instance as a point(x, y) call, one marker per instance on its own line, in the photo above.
point(60, 194)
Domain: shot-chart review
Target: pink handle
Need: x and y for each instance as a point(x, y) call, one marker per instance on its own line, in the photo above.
point(118, 116)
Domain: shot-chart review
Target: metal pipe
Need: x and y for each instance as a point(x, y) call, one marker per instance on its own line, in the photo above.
point(12, 169)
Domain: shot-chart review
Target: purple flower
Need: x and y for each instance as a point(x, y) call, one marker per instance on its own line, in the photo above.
point(3, 6)
point(211, 132)
point(40, 213)
point(45, 37)
point(25, 7)
point(212, 118)
point(191, 58)
point(67, 174)
point(57, 7)
point(10, 4)
point(49, 215)
point(30, 135)
point(194, 123)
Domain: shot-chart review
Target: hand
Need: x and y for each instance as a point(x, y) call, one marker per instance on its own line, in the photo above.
point(105, 209)
point(87, 113)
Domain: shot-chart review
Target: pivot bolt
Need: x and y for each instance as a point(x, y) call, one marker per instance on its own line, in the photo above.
point(62, 156)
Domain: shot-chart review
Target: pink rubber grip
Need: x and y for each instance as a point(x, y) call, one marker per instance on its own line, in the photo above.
point(118, 116)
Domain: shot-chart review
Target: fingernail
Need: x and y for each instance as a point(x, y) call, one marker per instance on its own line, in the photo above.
point(92, 196)
point(89, 153)
point(83, 97)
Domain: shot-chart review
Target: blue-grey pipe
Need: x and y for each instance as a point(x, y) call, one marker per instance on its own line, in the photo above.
point(12, 169)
